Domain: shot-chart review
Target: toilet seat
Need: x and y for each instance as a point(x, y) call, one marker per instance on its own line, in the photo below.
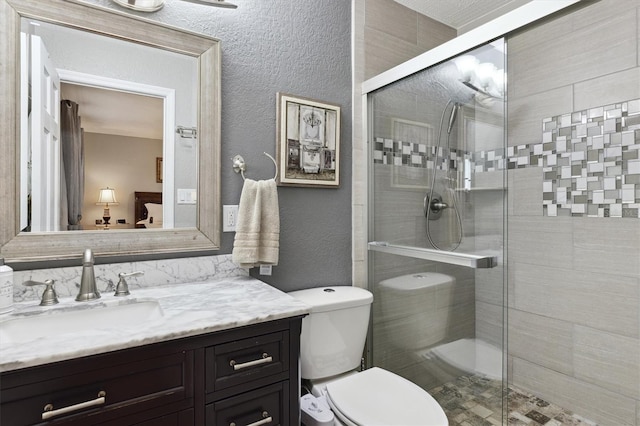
point(379, 397)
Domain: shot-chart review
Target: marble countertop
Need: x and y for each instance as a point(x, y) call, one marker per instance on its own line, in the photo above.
point(187, 310)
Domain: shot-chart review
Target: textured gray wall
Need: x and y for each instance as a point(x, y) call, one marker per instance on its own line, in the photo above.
point(303, 48)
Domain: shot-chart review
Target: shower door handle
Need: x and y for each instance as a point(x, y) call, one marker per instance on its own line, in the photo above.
point(449, 257)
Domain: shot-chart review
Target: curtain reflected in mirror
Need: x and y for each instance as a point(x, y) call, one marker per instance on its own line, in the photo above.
point(72, 144)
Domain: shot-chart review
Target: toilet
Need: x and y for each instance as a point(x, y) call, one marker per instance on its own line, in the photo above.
point(331, 345)
point(409, 302)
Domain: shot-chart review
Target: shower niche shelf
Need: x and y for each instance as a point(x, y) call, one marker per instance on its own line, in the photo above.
point(449, 257)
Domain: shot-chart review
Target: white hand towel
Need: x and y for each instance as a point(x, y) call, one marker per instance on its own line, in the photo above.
point(257, 239)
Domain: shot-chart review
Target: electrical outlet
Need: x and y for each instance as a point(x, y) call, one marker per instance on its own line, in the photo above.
point(229, 218)
point(265, 269)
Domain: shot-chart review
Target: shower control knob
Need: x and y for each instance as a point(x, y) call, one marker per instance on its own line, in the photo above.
point(438, 205)
point(433, 206)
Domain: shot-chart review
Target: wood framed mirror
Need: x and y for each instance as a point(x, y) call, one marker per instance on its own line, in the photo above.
point(126, 244)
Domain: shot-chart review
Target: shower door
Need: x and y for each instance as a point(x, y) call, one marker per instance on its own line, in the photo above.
point(437, 205)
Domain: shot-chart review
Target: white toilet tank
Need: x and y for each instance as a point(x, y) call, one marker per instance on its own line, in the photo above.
point(416, 309)
point(333, 334)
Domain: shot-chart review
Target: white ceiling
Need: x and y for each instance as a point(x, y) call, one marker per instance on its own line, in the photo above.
point(462, 14)
point(116, 113)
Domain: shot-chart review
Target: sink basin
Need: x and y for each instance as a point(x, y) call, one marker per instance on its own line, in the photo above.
point(75, 319)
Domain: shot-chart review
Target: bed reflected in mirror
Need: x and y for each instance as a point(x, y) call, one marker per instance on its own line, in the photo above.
point(148, 210)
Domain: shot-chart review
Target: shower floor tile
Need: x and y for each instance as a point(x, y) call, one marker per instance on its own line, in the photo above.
point(477, 401)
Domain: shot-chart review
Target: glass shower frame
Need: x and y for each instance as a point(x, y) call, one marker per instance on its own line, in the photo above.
point(468, 41)
point(426, 131)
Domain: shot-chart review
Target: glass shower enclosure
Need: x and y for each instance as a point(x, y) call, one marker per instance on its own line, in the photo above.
point(437, 206)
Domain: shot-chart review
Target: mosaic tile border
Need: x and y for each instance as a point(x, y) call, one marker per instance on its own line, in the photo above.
point(590, 160)
point(410, 154)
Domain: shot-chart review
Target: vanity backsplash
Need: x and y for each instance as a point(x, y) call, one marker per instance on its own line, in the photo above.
point(156, 272)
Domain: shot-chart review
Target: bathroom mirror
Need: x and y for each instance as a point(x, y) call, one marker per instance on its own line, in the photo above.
point(17, 246)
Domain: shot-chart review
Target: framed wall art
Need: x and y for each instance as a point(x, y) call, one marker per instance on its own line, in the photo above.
point(308, 142)
point(159, 169)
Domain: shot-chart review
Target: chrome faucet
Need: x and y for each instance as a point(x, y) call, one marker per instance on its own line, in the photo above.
point(122, 289)
point(88, 289)
point(49, 296)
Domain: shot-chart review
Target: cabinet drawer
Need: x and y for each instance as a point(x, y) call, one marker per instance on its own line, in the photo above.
point(267, 406)
point(181, 418)
point(241, 361)
point(111, 391)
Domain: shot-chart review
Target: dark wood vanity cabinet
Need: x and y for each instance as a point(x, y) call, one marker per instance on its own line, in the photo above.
point(252, 363)
point(138, 384)
point(247, 375)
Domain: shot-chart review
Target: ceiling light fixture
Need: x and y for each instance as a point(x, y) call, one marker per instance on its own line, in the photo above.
point(215, 3)
point(154, 5)
point(141, 5)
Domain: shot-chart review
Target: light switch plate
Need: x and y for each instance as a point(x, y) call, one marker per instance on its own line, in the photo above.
point(187, 196)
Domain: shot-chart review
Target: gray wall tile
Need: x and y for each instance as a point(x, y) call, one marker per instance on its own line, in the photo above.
point(489, 286)
point(432, 33)
point(541, 340)
point(524, 194)
point(490, 323)
point(607, 89)
point(392, 19)
point(593, 402)
point(526, 113)
point(531, 241)
point(595, 300)
point(607, 360)
point(537, 64)
point(383, 52)
point(488, 211)
point(607, 246)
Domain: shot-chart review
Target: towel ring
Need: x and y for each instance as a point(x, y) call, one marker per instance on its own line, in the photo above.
point(240, 166)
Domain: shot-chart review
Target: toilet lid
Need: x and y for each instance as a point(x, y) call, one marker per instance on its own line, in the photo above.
point(379, 397)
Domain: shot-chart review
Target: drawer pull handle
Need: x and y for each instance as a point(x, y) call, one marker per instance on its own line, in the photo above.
point(49, 412)
point(266, 418)
point(264, 360)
